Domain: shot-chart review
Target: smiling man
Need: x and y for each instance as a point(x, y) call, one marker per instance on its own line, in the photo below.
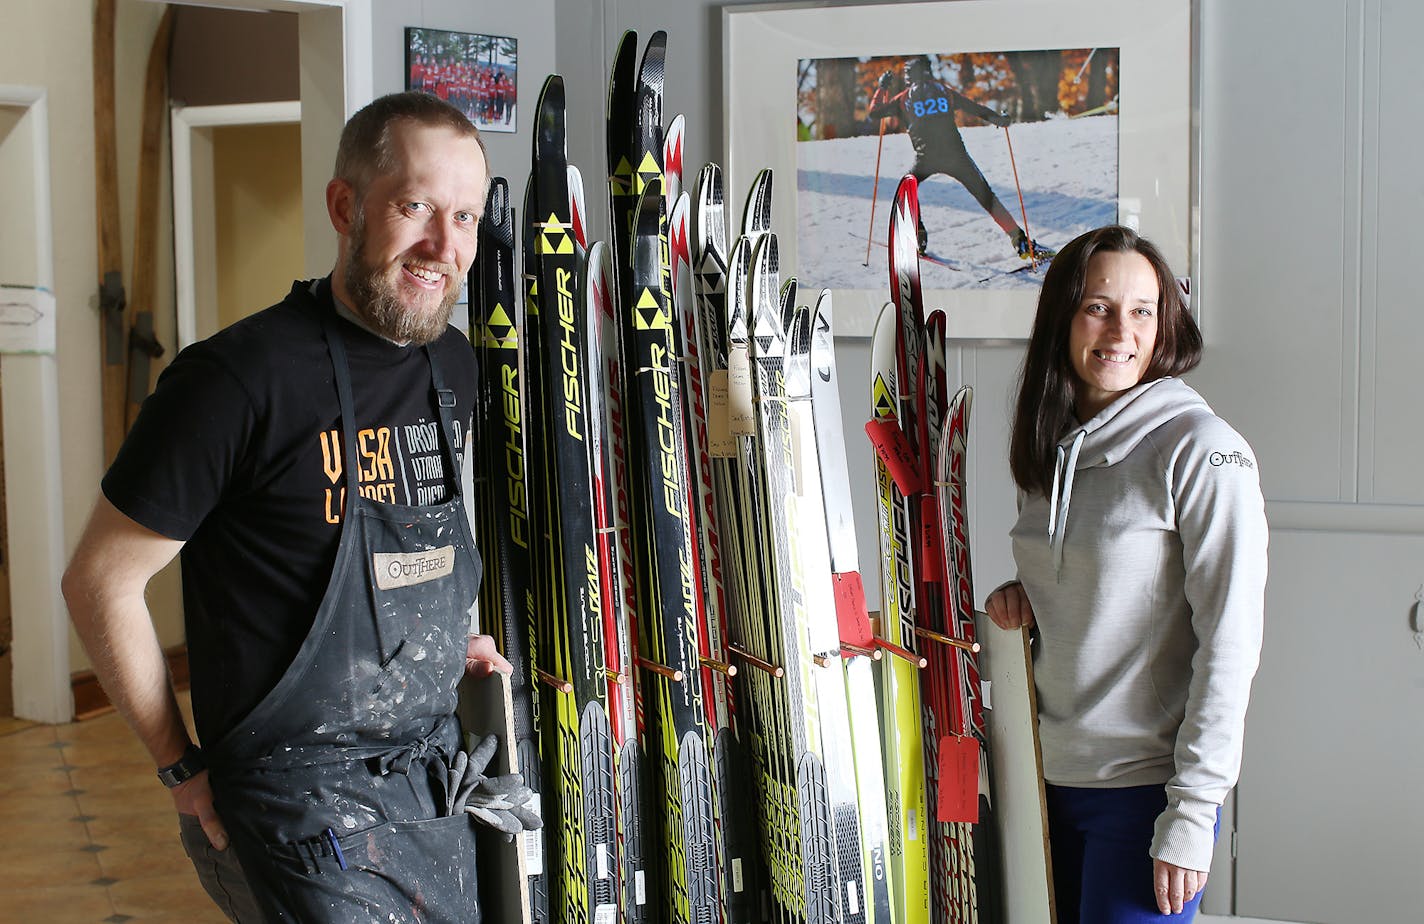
point(304, 463)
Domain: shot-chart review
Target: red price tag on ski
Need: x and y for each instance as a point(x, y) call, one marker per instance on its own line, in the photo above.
point(721, 443)
point(852, 619)
point(958, 779)
point(931, 541)
point(894, 450)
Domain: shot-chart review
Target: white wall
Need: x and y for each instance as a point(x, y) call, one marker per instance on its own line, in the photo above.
point(529, 21)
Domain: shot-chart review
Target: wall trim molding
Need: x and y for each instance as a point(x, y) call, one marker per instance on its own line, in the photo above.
point(1340, 517)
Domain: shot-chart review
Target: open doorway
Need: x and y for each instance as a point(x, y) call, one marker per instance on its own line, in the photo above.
point(237, 211)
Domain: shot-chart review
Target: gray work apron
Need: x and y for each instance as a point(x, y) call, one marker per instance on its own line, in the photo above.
point(330, 788)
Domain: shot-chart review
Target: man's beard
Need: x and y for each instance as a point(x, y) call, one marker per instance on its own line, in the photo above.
point(378, 304)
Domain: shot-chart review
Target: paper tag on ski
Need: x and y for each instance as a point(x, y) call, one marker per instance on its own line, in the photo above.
point(958, 779)
point(852, 619)
point(931, 541)
point(741, 415)
point(721, 443)
point(894, 450)
point(534, 852)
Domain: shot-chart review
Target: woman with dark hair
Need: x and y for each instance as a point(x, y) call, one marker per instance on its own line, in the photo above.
point(1147, 598)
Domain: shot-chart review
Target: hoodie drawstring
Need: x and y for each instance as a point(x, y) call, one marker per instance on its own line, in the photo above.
point(1064, 466)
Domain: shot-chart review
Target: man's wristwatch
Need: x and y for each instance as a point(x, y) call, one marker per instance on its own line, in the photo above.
point(187, 767)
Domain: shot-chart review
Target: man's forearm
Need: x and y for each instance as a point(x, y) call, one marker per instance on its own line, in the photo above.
point(128, 660)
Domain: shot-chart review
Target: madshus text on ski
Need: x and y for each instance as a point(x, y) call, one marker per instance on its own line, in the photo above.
point(717, 730)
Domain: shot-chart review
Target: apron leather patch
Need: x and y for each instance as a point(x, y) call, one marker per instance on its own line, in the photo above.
point(406, 569)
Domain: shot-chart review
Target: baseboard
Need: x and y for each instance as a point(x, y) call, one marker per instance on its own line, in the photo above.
point(90, 700)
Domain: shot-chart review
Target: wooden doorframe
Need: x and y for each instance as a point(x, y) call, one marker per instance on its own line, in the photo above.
point(29, 404)
point(194, 237)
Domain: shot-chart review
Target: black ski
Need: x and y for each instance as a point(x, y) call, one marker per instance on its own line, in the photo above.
point(579, 728)
point(506, 598)
point(662, 532)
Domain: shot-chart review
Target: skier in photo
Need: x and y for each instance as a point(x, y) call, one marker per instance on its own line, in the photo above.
point(928, 107)
point(1141, 554)
point(305, 464)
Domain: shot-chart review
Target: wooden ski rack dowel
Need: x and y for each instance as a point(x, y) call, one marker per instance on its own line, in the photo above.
point(616, 676)
point(756, 662)
point(847, 649)
point(662, 670)
point(721, 667)
point(904, 653)
point(563, 686)
point(820, 660)
point(943, 639)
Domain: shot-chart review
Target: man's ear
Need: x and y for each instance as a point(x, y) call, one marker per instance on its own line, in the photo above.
point(341, 205)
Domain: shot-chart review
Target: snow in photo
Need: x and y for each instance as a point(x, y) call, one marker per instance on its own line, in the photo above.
point(1016, 153)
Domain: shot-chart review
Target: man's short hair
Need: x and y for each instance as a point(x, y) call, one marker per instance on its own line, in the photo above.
point(365, 147)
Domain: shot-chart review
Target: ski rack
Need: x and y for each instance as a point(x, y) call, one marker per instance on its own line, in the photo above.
point(849, 650)
point(662, 670)
point(559, 684)
point(904, 654)
point(941, 638)
point(754, 661)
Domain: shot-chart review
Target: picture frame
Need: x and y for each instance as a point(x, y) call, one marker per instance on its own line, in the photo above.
point(477, 73)
point(1156, 193)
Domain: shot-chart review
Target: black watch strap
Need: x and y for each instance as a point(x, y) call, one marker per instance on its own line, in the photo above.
point(187, 767)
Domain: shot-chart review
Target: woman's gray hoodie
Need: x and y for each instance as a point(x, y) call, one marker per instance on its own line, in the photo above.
point(1146, 569)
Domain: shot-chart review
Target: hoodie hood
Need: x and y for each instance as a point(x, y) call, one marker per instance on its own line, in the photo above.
point(1117, 429)
point(1108, 438)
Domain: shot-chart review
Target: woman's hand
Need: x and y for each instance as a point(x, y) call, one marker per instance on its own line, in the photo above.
point(1009, 607)
point(1174, 886)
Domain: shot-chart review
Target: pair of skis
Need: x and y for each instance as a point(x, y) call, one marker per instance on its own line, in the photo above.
point(927, 595)
point(126, 321)
point(681, 663)
point(823, 836)
point(504, 530)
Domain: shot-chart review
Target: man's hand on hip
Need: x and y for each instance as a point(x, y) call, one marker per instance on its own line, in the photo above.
point(195, 797)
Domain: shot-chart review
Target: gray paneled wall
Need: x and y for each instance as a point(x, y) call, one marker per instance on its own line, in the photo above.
point(1311, 134)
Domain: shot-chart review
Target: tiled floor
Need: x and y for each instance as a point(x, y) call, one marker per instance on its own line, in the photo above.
point(87, 833)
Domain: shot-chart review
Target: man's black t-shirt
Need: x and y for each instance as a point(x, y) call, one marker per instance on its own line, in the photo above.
point(238, 453)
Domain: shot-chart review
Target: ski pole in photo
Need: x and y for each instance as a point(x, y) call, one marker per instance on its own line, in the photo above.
point(1032, 248)
point(874, 192)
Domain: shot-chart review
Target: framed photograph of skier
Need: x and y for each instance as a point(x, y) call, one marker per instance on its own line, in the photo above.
point(477, 73)
point(1026, 122)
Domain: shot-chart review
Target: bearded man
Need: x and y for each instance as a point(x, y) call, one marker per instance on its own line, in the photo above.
point(305, 463)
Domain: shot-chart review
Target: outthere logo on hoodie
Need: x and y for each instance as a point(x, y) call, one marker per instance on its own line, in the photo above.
point(1235, 457)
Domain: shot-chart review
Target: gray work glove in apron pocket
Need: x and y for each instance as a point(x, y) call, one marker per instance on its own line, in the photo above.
point(500, 802)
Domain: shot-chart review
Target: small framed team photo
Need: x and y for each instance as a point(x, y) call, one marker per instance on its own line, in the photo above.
point(475, 73)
